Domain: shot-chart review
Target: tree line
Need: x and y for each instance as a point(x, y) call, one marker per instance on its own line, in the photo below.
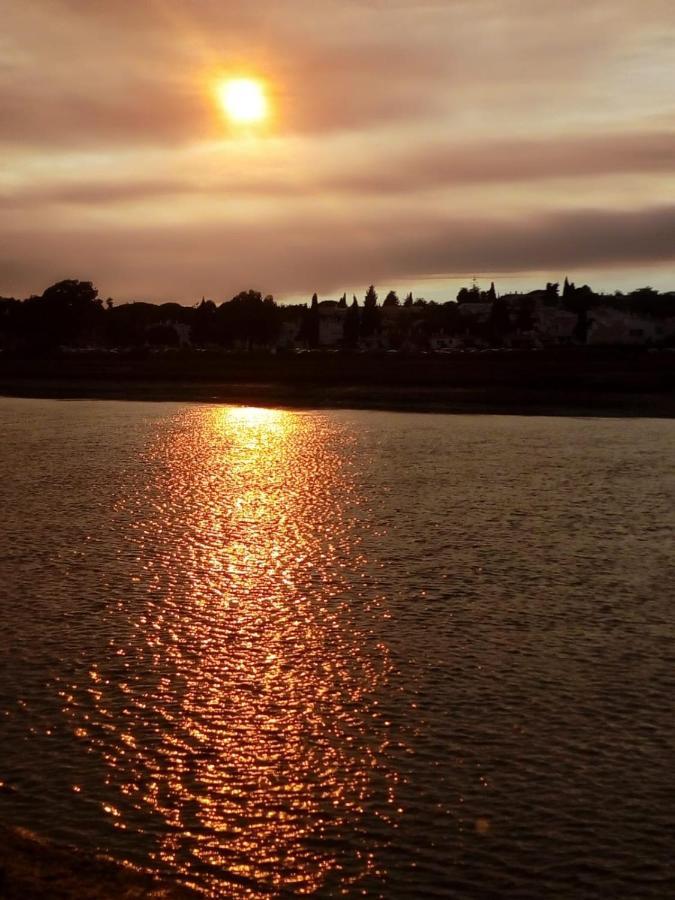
point(70, 313)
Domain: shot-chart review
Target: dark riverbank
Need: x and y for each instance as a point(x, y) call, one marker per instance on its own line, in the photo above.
point(35, 869)
point(566, 381)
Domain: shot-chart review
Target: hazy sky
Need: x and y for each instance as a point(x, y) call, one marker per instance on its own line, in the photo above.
point(413, 144)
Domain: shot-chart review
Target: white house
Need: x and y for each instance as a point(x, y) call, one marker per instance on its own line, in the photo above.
point(331, 325)
point(615, 326)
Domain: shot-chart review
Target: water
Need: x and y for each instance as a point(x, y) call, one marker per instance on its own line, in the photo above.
point(342, 652)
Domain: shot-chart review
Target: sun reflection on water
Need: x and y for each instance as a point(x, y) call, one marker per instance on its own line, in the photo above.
point(236, 715)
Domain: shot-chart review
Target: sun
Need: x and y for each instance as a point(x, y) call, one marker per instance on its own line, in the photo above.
point(243, 100)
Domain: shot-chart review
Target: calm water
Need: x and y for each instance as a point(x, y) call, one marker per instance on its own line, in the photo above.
point(342, 652)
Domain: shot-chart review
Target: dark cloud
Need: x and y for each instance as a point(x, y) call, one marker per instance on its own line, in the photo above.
point(576, 156)
point(303, 255)
point(427, 168)
point(587, 238)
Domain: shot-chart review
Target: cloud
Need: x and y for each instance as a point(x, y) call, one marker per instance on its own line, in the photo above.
point(433, 167)
point(386, 113)
point(323, 254)
point(103, 90)
point(563, 240)
point(579, 156)
point(104, 193)
point(132, 73)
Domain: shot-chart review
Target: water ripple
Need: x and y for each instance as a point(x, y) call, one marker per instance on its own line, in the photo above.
point(341, 653)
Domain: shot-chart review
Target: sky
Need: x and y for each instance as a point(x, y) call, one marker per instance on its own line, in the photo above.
point(414, 145)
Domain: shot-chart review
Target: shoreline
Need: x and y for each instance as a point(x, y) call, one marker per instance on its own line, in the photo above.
point(488, 400)
point(561, 382)
point(34, 867)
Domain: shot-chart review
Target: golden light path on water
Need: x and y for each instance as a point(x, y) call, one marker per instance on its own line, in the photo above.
point(236, 712)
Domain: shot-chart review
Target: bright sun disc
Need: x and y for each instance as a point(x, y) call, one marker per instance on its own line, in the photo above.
point(243, 100)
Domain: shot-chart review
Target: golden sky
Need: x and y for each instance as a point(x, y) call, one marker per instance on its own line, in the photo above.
point(410, 144)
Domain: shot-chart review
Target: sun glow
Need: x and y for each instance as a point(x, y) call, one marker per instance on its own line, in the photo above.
point(243, 100)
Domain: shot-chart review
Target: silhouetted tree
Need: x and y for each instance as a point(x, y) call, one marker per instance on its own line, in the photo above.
point(71, 295)
point(525, 320)
point(67, 313)
point(11, 322)
point(499, 322)
point(469, 295)
point(162, 336)
point(351, 328)
point(126, 324)
point(204, 323)
point(441, 317)
point(309, 325)
point(248, 320)
point(646, 301)
point(370, 320)
point(70, 313)
point(314, 322)
point(579, 300)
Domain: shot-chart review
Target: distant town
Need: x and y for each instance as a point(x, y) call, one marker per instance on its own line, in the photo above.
point(70, 316)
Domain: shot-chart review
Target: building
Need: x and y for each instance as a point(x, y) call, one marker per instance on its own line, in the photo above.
point(331, 323)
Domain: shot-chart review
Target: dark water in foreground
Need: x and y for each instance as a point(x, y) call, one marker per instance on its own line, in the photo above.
point(342, 652)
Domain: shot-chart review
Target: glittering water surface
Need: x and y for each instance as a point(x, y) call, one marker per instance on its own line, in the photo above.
point(341, 652)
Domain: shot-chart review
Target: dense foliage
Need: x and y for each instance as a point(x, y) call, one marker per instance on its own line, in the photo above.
point(71, 314)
